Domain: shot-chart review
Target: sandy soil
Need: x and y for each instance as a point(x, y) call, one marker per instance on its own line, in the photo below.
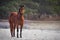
point(33, 30)
point(31, 35)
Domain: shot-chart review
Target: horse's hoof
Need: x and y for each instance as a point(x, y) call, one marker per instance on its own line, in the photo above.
point(17, 37)
point(13, 36)
point(20, 36)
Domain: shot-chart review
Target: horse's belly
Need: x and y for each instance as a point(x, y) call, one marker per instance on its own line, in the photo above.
point(20, 22)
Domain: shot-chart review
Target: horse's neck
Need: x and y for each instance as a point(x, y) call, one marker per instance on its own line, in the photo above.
point(19, 16)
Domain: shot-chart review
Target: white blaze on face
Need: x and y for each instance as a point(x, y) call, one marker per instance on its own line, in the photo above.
point(22, 10)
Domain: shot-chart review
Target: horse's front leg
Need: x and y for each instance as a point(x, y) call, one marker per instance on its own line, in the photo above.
point(14, 30)
point(17, 31)
point(21, 31)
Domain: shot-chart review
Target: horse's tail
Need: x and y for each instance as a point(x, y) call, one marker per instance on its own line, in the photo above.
point(10, 16)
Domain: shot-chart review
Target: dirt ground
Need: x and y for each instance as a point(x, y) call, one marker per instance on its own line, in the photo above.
point(33, 30)
point(32, 34)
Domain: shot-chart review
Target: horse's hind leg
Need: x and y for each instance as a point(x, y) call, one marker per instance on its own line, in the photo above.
point(11, 29)
point(21, 31)
point(17, 32)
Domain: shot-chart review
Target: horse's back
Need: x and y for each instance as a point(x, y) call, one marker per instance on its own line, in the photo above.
point(13, 14)
point(13, 17)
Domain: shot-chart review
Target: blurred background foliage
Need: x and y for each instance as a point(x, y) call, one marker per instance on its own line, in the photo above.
point(35, 9)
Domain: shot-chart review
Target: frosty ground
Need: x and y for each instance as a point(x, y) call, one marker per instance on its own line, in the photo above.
point(33, 30)
point(31, 35)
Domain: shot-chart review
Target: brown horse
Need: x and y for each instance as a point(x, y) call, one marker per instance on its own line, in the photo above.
point(15, 20)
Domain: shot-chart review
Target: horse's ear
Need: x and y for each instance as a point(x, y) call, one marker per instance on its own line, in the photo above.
point(21, 5)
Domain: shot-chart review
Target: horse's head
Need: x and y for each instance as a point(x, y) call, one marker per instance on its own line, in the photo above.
point(21, 10)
